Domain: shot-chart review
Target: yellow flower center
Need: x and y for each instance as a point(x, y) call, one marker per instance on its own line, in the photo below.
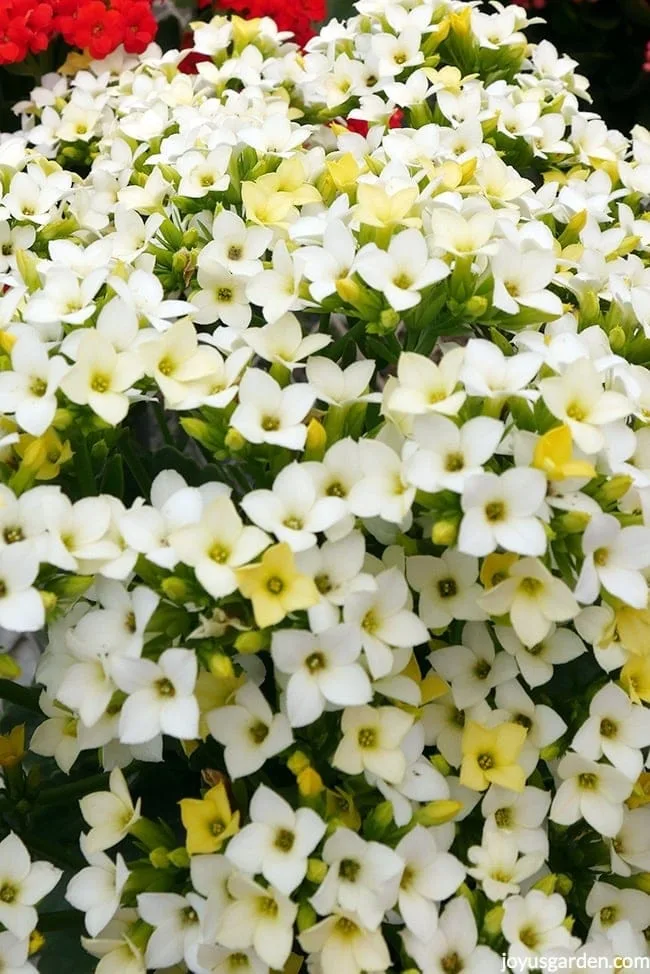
point(495, 511)
point(275, 585)
point(100, 382)
point(367, 737)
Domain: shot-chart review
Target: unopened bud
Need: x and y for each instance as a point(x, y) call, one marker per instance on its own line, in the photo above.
point(175, 589)
point(438, 812)
point(306, 916)
point(316, 870)
point(234, 440)
point(444, 532)
point(253, 641)
point(310, 783)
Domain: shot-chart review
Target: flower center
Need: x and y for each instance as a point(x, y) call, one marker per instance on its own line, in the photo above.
point(11, 535)
point(130, 623)
point(451, 963)
point(217, 827)
point(237, 960)
point(503, 818)
point(608, 915)
point(336, 489)
point(190, 916)
point(38, 387)
point(601, 556)
point(165, 688)
point(370, 622)
point(529, 937)
point(258, 731)
point(349, 870)
point(284, 840)
point(531, 586)
point(218, 554)
point(447, 588)
point(408, 877)
point(367, 737)
point(234, 252)
point(267, 907)
point(495, 511)
point(608, 728)
point(315, 662)
point(166, 366)
point(346, 927)
point(576, 411)
point(482, 669)
point(485, 762)
point(293, 523)
point(8, 893)
point(323, 584)
point(270, 424)
point(224, 294)
point(588, 781)
point(275, 585)
point(100, 383)
point(454, 462)
point(523, 720)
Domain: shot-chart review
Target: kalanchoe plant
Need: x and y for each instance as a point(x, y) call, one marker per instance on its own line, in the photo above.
point(326, 468)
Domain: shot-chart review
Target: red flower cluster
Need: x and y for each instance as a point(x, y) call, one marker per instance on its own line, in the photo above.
point(28, 26)
point(299, 18)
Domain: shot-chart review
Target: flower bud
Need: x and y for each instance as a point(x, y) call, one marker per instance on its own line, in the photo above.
point(316, 441)
point(306, 916)
point(253, 641)
point(316, 870)
point(234, 440)
point(444, 532)
point(175, 589)
point(310, 783)
point(438, 812)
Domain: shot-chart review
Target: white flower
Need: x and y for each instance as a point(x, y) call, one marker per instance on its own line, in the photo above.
point(446, 456)
point(520, 816)
point(542, 723)
point(221, 960)
point(592, 791)
point(401, 272)
point(145, 294)
point(77, 533)
point(447, 586)
point(498, 866)
point(336, 568)
point(345, 945)
point(614, 558)
point(384, 621)
point(577, 398)
point(534, 927)
point(97, 889)
point(259, 917)
point(335, 260)
point(173, 505)
point(21, 606)
point(269, 414)
point(249, 730)
point(521, 279)
point(337, 386)
point(110, 814)
point(615, 728)
point(363, 877)
point(184, 371)
point(426, 387)
point(14, 954)
point(118, 953)
point(382, 490)
point(488, 372)
point(630, 847)
point(473, 668)
point(161, 696)
point(534, 598)
point(323, 670)
point(454, 944)
point(501, 511)
point(536, 662)
point(430, 876)
point(222, 297)
point(609, 905)
point(177, 922)
point(372, 740)
point(277, 841)
point(101, 377)
point(282, 341)
point(202, 174)
point(23, 884)
point(276, 290)
point(235, 246)
point(292, 511)
point(29, 391)
point(217, 545)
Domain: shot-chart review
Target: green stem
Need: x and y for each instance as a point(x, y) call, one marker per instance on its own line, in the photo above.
point(163, 426)
point(83, 467)
point(26, 697)
point(136, 467)
point(74, 789)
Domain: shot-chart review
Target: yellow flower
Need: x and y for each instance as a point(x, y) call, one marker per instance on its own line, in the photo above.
point(553, 455)
point(431, 687)
point(635, 679)
point(214, 691)
point(12, 747)
point(633, 628)
point(496, 568)
point(43, 454)
point(275, 587)
point(75, 61)
point(340, 807)
point(309, 783)
point(490, 756)
point(343, 171)
point(266, 208)
point(291, 177)
point(209, 821)
point(379, 209)
point(641, 792)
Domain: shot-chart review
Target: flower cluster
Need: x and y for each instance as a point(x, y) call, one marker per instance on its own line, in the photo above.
point(96, 26)
point(380, 599)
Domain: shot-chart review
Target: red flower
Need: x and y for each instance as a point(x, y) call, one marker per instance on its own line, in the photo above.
point(98, 29)
point(138, 23)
